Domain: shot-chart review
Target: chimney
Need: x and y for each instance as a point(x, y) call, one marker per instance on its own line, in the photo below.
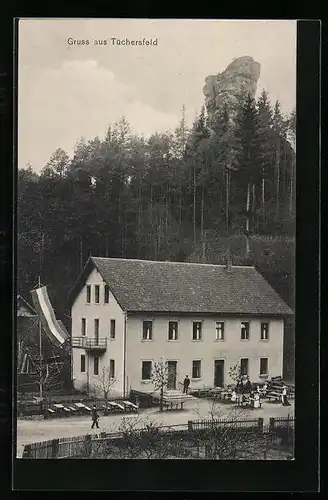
point(228, 262)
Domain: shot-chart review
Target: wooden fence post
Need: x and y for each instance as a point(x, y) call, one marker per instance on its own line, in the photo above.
point(27, 452)
point(54, 448)
point(88, 445)
point(260, 425)
point(190, 428)
point(271, 424)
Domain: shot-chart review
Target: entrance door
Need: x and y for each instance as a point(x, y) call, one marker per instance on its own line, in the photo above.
point(172, 374)
point(219, 373)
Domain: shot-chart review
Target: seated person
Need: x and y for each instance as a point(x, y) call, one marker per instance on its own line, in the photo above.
point(256, 400)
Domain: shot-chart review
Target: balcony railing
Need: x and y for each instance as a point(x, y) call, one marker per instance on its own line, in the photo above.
point(90, 344)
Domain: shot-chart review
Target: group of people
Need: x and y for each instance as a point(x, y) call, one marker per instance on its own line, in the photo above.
point(244, 386)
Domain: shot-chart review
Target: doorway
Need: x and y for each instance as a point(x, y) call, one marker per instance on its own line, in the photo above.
point(172, 375)
point(219, 373)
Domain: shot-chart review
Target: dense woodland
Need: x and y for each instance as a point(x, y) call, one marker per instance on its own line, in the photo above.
point(221, 187)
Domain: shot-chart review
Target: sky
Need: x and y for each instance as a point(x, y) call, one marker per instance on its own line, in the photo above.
point(68, 91)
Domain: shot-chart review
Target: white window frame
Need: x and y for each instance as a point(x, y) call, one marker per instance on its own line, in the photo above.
point(146, 380)
point(249, 330)
point(267, 367)
point(267, 331)
point(110, 374)
point(177, 331)
point(243, 374)
point(97, 287)
point(88, 287)
point(200, 334)
point(110, 328)
point(216, 331)
point(200, 369)
point(145, 339)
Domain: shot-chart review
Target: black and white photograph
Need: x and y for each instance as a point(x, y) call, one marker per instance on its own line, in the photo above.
point(156, 226)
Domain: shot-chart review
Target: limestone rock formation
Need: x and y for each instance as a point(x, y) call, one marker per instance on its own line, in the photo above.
point(234, 83)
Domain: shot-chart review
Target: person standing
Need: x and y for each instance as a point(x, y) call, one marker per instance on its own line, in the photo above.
point(95, 417)
point(186, 384)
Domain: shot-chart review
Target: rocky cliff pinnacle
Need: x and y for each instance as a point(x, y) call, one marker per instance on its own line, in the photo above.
point(234, 83)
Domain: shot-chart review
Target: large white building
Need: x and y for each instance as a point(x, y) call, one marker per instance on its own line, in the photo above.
point(202, 319)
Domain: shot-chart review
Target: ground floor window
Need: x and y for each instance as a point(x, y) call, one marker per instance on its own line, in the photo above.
point(263, 366)
point(146, 370)
point(82, 363)
point(112, 368)
point(96, 366)
point(196, 368)
point(244, 366)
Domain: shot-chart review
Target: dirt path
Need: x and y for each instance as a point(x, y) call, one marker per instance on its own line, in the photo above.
point(31, 431)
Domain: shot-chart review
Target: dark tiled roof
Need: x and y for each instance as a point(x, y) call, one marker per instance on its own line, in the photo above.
point(190, 288)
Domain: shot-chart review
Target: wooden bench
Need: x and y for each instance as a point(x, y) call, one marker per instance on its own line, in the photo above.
point(173, 405)
point(275, 396)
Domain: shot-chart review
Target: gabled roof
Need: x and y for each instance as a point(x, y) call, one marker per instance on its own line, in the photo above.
point(152, 286)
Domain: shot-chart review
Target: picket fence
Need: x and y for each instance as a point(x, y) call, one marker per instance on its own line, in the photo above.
point(84, 446)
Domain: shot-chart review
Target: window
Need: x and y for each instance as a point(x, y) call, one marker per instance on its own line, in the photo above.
point(97, 289)
point(106, 294)
point(112, 328)
point(173, 330)
point(112, 368)
point(264, 331)
point(97, 329)
point(219, 329)
point(88, 294)
point(146, 370)
point(84, 326)
point(244, 366)
point(196, 369)
point(96, 366)
point(263, 366)
point(197, 330)
point(244, 330)
point(147, 330)
point(82, 363)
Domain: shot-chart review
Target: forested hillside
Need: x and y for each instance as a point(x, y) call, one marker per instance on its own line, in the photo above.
point(224, 185)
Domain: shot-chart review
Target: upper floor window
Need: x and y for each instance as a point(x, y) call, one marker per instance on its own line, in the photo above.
point(146, 370)
point(219, 330)
point(244, 330)
point(197, 330)
point(96, 329)
point(106, 294)
point(97, 293)
point(112, 328)
point(173, 330)
point(84, 326)
point(88, 294)
point(264, 331)
point(147, 330)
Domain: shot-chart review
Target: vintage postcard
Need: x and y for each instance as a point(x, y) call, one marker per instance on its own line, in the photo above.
point(156, 239)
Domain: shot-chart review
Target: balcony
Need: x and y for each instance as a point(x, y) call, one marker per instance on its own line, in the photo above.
point(99, 344)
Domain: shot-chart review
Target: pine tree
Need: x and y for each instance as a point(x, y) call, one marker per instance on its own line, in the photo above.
point(247, 158)
point(265, 134)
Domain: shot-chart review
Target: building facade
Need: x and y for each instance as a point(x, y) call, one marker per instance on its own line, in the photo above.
point(202, 320)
